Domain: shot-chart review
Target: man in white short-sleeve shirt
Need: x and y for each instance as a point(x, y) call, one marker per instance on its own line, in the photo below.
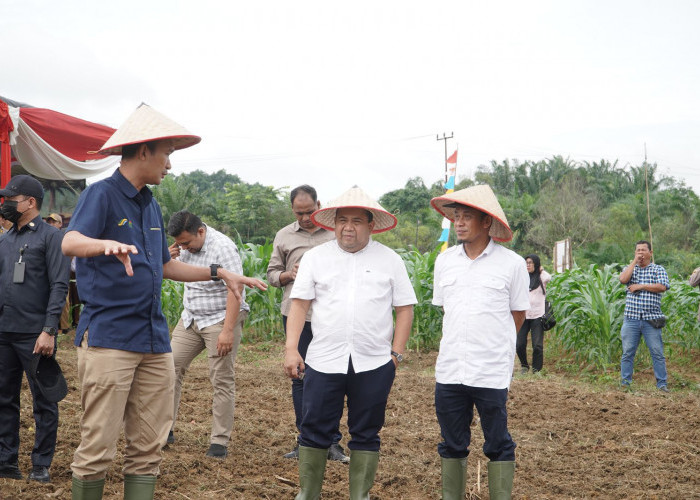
point(354, 284)
point(484, 291)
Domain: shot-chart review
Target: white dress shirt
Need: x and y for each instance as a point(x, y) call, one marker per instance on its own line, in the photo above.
point(478, 332)
point(352, 296)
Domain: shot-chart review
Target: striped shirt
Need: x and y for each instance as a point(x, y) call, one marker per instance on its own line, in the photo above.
point(643, 304)
point(205, 301)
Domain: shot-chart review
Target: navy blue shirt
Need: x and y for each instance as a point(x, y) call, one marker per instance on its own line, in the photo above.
point(37, 302)
point(122, 312)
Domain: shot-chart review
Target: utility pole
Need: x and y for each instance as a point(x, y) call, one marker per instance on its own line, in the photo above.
point(445, 138)
point(646, 182)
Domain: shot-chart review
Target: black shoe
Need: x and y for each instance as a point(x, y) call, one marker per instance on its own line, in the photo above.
point(293, 454)
point(663, 388)
point(10, 471)
point(39, 473)
point(336, 452)
point(171, 438)
point(217, 451)
point(524, 370)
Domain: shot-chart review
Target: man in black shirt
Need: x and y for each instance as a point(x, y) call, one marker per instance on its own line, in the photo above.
point(33, 286)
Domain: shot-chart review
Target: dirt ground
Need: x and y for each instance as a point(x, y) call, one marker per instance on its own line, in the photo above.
point(574, 440)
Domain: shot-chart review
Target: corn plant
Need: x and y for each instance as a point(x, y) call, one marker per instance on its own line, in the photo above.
point(427, 318)
point(590, 303)
point(171, 301)
point(680, 306)
point(265, 319)
point(589, 306)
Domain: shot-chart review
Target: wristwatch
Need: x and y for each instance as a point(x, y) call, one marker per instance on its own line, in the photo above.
point(214, 268)
point(50, 330)
point(399, 357)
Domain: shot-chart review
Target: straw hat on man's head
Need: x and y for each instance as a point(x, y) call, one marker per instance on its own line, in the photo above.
point(354, 198)
point(145, 125)
point(480, 198)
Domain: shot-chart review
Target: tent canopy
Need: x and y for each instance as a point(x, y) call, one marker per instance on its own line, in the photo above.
point(52, 145)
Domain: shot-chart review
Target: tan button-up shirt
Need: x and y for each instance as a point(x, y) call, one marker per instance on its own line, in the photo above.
point(291, 243)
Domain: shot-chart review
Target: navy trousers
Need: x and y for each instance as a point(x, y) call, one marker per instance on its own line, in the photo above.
point(15, 358)
point(324, 396)
point(298, 384)
point(454, 405)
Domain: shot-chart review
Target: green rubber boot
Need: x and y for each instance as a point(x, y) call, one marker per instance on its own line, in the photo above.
point(312, 467)
point(363, 468)
point(454, 478)
point(139, 487)
point(501, 480)
point(87, 490)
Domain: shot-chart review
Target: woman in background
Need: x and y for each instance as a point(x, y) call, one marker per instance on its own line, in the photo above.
point(538, 279)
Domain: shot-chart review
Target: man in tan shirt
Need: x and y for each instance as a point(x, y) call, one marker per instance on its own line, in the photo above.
point(291, 242)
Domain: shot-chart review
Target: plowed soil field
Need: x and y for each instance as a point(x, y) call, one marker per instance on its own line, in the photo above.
point(575, 440)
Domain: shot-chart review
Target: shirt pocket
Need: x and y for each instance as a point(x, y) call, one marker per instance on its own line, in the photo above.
point(492, 292)
point(34, 257)
point(448, 290)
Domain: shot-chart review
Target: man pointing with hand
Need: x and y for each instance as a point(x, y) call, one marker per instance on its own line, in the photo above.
point(125, 363)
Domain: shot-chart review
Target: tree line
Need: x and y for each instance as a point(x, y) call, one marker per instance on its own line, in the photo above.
point(600, 205)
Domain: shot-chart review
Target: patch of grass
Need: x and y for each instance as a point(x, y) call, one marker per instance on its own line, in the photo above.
point(251, 352)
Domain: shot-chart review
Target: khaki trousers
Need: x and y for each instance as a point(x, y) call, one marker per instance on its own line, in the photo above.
point(122, 387)
point(187, 343)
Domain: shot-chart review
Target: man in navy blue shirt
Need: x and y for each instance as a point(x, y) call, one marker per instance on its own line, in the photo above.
point(33, 286)
point(125, 363)
point(645, 282)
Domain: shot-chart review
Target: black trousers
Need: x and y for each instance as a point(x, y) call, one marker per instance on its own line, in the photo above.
point(324, 395)
point(15, 359)
point(534, 326)
point(297, 384)
point(454, 406)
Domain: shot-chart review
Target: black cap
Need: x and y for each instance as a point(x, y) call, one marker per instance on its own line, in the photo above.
point(47, 376)
point(23, 184)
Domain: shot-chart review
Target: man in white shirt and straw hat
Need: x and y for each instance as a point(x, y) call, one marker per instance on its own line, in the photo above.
point(484, 291)
point(353, 283)
point(125, 363)
point(291, 242)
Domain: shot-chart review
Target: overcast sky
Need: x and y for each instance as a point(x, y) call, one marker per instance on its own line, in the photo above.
point(342, 93)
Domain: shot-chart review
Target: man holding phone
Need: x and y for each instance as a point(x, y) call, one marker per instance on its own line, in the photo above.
point(645, 282)
point(212, 319)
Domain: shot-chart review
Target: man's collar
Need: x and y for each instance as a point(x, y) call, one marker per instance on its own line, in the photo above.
point(207, 239)
point(32, 225)
point(489, 248)
point(127, 188)
point(362, 250)
point(296, 227)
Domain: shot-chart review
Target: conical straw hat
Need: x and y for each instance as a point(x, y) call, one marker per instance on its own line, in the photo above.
point(481, 198)
point(354, 198)
point(146, 124)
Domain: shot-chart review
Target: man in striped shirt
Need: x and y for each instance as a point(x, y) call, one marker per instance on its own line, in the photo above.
point(212, 319)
